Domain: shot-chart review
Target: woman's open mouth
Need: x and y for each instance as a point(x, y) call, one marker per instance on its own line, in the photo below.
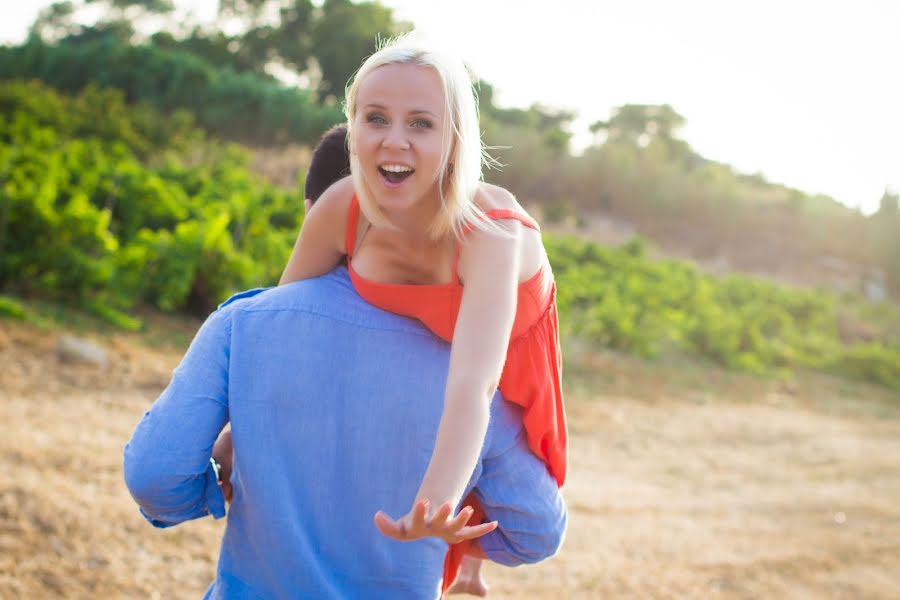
point(392, 174)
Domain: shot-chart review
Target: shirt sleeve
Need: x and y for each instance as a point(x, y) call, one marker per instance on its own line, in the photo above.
point(517, 490)
point(167, 461)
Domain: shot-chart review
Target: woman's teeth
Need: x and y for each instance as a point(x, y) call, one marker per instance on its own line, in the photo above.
point(395, 173)
point(396, 168)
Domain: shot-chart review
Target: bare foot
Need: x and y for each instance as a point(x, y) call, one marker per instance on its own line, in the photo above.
point(464, 585)
point(469, 580)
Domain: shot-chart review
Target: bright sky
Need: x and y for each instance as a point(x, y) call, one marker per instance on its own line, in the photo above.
point(805, 92)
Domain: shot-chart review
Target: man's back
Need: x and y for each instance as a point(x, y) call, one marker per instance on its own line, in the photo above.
point(334, 407)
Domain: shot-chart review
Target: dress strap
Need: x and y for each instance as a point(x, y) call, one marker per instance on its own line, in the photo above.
point(352, 223)
point(498, 214)
point(506, 213)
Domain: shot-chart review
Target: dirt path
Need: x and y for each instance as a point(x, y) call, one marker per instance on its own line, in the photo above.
point(685, 495)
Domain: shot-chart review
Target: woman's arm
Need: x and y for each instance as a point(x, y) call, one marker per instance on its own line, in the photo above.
point(490, 265)
point(320, 245)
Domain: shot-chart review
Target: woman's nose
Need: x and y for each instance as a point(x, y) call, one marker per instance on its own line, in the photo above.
point(396, 138)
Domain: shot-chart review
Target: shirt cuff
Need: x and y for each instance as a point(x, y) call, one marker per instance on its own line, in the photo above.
point(213, 504)
point(215, 499)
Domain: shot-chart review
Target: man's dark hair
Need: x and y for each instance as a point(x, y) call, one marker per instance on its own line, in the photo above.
point(330, 162)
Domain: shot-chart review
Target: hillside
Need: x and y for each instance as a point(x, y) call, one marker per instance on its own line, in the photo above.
point(769, 237)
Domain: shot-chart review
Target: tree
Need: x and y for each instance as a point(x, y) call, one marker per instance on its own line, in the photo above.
point(146, 6)
point(637, 123)
point(332, 40)
point(886, 238)
point(252, 9)
point(293, 39)
point(57, 20)
point(889, 206)
point(60, 21)
point(345, 34)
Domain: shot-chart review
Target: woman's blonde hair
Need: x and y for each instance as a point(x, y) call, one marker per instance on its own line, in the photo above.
point(463, 153)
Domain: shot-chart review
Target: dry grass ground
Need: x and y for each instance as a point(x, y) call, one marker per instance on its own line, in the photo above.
point(686, 482)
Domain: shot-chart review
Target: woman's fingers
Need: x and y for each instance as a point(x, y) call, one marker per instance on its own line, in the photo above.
point(475, 531)
point(420, 511)
point(440, 517)
point(416, 524)
point(460, 520)
point(387, 526)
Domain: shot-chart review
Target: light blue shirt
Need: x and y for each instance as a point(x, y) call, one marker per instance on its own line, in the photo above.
point(334, 407)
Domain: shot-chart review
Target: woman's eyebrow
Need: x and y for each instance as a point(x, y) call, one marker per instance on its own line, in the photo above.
point(415, 111)
point(423, 112)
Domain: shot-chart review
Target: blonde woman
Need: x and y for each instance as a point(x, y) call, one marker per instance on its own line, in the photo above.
point(423, 236)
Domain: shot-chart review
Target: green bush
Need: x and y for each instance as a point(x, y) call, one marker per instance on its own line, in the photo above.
point(12, 309)
point(85, 220)
point(871, 362)
point(619, 299)
point(104, 215)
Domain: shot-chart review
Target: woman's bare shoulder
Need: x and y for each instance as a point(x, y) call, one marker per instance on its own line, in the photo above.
point(493, 197)
point(526, 239)
point(328, 216)
point(336, 199)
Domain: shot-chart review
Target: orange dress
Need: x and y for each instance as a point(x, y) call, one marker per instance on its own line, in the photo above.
point(532, 374)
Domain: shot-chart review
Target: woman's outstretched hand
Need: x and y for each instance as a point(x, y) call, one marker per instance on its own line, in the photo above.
point(417, 524)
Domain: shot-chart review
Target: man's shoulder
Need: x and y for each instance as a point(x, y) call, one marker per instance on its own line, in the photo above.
point(331, 296)
point(334, 287)
point(242, 296)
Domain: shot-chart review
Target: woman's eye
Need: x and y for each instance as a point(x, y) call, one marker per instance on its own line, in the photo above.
point(376, 119)
point(421, 123)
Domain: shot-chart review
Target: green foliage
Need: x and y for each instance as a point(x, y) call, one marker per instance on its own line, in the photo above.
point(620, 299)
point(637, 170)
point(12, 309)
point(137, 127)
point(85, 220)
point(334, 37)
point(104, 205)
point(238, 106)
point(872, 362)
point(111, 315)
point(324, 43)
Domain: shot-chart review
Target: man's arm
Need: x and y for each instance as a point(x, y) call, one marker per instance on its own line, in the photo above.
point(167, 466)
point(516, 490)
